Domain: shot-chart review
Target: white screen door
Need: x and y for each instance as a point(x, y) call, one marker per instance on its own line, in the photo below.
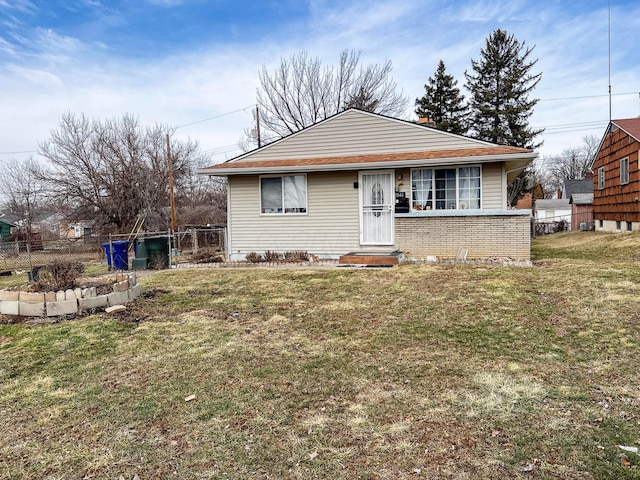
point(376, 207)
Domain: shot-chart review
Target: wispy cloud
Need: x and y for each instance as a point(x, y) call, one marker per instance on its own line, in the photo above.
point(80, 65)
point(165, 3)
point(490, 10)
point(24, 6)
point(37, 77)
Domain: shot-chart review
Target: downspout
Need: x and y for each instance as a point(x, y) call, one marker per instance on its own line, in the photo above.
point(227, 229)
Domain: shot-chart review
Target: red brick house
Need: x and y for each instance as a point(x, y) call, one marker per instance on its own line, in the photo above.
point(616, 180)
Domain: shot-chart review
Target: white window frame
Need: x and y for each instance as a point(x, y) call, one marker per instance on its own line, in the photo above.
point(624, 171)
point(601, 178)
point(433, 188)
point(306, 195)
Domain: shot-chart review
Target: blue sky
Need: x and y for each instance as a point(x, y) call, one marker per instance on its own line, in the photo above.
point(181, 61)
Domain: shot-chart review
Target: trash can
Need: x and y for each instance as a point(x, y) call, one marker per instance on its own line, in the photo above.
point(140, 250)
point(120, 254)
point(157, 251)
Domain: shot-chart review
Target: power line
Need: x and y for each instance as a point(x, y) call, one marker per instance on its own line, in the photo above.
point(575, 130)
point(584, 96)
point(563, 125)
point(213, 118)
point(14, 153)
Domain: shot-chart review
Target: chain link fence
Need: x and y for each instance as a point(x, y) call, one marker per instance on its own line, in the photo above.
point(23, 256)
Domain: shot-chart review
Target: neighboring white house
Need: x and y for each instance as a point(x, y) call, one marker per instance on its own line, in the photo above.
point(363, 182)
point(552, 211)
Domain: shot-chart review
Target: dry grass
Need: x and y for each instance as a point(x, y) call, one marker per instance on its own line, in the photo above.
point(441, 371)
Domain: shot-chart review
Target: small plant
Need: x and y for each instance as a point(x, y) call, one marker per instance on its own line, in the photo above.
point(207, 257)
point(270, 256)
point(297, 256)
point(254, 257)
point(59, 275)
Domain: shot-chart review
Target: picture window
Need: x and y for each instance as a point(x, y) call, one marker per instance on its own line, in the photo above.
point(445, 188)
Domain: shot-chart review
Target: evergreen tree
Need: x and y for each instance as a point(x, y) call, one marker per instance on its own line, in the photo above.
point(443, 103)
point(500, 86)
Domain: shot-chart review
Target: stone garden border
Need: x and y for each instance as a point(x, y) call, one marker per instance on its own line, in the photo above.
point(69, 302)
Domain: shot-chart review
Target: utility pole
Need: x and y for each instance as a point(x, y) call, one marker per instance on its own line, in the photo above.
point(171, 199)
point(258, 125)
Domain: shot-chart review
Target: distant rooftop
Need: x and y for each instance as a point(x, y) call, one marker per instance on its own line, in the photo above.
point(581, 198)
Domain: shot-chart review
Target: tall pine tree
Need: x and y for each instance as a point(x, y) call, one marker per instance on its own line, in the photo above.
point(500, 85)
point(443, 102)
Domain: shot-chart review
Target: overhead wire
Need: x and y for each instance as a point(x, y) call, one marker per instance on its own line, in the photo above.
point(214, 117)
point(561, 128)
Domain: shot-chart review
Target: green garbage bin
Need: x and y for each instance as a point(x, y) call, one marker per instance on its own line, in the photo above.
point(157, 251)
point(141, 261)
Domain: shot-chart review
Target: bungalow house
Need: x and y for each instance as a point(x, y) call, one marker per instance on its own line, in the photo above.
point(359, 182)
point(616, 181)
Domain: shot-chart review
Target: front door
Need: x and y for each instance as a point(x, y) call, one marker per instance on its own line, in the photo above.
point(376, 207)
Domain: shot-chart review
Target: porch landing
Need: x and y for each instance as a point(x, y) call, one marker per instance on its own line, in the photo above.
point(378, 259)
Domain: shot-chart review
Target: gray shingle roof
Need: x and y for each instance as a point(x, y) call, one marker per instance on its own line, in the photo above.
point(553, 204)
point(581, 198)
point(578, 186)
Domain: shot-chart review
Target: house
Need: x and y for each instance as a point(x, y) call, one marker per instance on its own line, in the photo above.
point(528, 199)
point(616, 181)
point(78, 229)
point(7, 222)
point(552, 215)
point(363, 182)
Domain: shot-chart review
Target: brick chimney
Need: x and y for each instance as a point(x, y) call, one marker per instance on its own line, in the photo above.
point(426, 121)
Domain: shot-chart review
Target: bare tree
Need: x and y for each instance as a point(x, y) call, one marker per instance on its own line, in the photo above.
point(302, 92)
point(574, 163)
point(202, 199)
point(23, 189)
point(114, 171)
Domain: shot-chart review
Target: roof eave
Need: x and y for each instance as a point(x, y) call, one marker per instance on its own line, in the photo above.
point(521, 159)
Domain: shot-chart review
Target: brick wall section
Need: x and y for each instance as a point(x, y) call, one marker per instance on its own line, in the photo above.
point(484, 236)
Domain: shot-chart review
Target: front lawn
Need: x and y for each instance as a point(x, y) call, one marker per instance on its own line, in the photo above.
point(420, 371)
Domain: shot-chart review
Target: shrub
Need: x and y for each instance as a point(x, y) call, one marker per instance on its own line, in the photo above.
point(270, 256)
point(254, 257)
point(297, 255)
point(207, 257)
point(59, 275)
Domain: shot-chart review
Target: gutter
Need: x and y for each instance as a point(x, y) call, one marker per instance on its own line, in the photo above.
point(255, 168)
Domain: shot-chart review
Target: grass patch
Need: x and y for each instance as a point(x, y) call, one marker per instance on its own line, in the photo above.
point(446, 370)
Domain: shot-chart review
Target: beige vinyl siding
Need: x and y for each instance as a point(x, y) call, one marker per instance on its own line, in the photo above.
point(331, 226)
point(359, 133)
point(492, 190)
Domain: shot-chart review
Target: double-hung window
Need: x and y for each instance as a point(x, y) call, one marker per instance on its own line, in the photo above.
point(445, 188)
point(624, 171)
point(284, 194)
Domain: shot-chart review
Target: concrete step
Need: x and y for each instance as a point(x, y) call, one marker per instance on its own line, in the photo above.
point(371, 258)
